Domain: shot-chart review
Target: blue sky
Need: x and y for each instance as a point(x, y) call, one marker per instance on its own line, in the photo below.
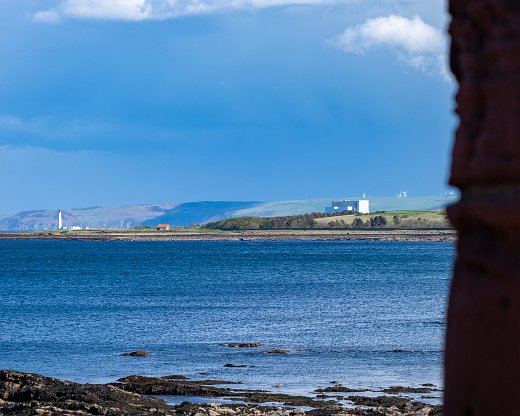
point(112, 102)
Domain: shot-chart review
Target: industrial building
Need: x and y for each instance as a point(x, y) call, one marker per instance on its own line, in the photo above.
point(359, 206)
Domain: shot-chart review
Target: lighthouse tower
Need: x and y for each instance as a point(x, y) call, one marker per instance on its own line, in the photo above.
point(60, 222)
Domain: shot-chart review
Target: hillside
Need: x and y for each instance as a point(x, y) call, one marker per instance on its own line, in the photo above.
point(317, 220)
point(201, 212)
point(94, 217)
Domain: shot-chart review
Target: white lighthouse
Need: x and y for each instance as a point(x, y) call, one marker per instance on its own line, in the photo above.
point(60, 222)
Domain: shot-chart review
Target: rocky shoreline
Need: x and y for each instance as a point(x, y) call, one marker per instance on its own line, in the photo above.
point(427, 235)
point(30, 394)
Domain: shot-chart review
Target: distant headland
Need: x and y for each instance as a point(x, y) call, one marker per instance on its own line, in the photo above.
point(198, 213)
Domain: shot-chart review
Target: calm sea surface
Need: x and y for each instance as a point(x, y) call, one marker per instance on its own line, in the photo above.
point(68, 309)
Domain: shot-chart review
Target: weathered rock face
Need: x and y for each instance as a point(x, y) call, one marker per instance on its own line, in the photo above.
point(483, 336)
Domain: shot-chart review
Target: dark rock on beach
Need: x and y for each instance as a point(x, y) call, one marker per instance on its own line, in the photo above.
point(387, 401)
point(337, 389)
point(401, 404)
point(162, 387)
point(175, 377)
point(139, 353)
point(30, 395)
point(286, 399)
point(326, 396)
point(401, 389)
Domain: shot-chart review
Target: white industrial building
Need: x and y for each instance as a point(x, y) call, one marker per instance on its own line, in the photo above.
point(360, 206)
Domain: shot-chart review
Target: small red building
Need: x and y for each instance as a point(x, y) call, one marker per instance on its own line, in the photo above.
point(163, 227)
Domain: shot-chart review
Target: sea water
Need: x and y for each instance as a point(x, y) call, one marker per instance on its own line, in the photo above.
point(342, 309)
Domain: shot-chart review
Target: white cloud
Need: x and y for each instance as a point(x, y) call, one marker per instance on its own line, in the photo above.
point(47, 16)
point(135, 10)
point(415, 43)
point(412, 35)
point(103, 9)
point(154, 9)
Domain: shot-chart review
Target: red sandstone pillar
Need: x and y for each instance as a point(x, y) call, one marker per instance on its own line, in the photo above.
point(482, 375)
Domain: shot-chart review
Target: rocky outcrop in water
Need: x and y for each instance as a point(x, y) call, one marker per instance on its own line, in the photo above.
point(139, 353)
point(276, 352)
point(229, 365)
point(244, 344)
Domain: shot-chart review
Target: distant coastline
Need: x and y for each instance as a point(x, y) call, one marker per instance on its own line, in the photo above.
point(426, 235)
point(202, 212)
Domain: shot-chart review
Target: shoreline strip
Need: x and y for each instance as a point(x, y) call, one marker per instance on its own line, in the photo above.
point(413, 235)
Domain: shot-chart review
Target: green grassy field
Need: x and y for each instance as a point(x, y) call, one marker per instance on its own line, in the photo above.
point(397, 219)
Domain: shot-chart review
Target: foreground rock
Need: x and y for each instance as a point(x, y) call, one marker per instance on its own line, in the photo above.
point(400, 404)
point(337, 389)
point(205, 388)
point(401, 389)
point(30, 394)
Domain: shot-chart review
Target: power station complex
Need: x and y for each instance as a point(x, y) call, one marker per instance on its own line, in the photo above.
point(359, 206)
